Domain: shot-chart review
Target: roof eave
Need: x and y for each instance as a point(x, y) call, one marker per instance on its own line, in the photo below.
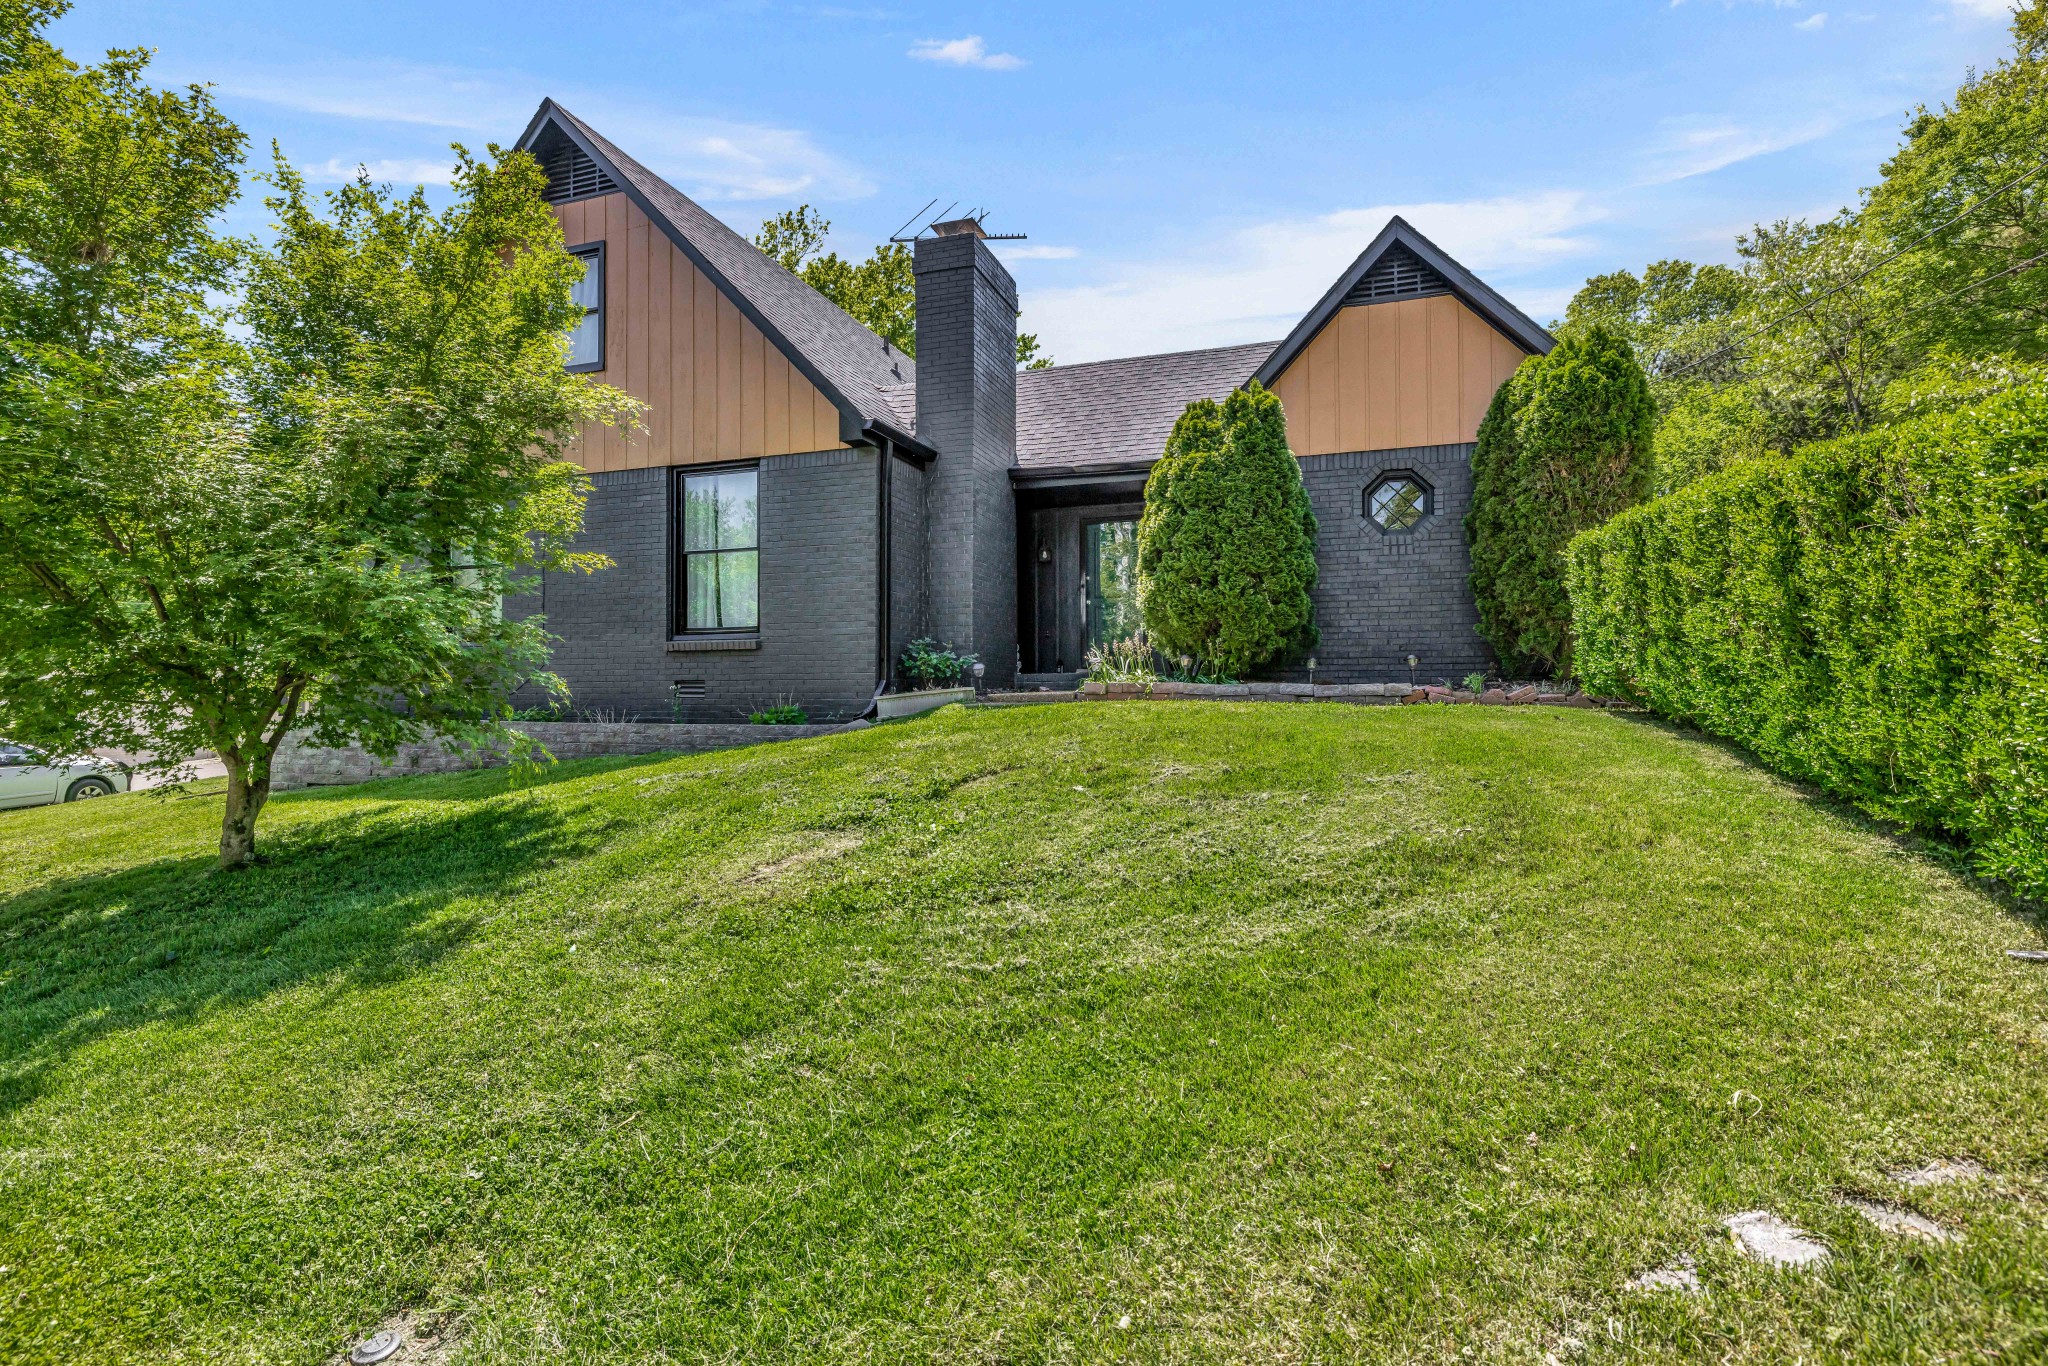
point(852, 419)
point(1053, 476)
point(909, 447)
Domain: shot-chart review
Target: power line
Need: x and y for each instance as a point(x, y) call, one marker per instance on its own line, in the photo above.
point(1868, 271)
point(1925, 304)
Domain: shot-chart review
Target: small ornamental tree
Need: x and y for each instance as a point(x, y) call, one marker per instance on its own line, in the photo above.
point(1227, 543)
point(1564, 446)
point(250, 489)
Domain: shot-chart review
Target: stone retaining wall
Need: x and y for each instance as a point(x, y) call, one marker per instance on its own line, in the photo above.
point(301, 765)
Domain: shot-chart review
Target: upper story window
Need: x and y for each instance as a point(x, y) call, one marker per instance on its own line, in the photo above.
point(586, 342)
point(721, 551)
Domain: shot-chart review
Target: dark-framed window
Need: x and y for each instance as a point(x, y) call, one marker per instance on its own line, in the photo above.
point(718, 543)
point(1399, 500)
point(586, 339)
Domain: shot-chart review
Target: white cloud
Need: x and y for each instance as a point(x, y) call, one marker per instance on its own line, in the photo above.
point(1035, 252)
point(431, 96)
point(1694, 148)
point(709, 158)
point(968, 51)
point(1813, 22)
point(1254, 283)
point(396, 170)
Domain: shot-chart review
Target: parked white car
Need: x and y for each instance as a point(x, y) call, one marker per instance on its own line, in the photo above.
point(31, 779)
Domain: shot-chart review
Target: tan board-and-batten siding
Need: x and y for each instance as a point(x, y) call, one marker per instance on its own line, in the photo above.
point(714, 387)
point(1408, 372)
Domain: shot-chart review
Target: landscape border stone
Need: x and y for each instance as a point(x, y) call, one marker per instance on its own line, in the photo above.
point(1368, 694)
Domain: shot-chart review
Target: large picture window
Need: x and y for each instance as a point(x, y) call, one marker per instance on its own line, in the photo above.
point(586, 341)
point(721, 551)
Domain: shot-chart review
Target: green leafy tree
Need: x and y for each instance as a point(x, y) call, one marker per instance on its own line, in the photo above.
point(295, 509)
point(880, 293)
point(1227, 542)
point(1826, 327)
point(1933, 292)
point(1960, 156)
point(1683, 322)
point(1564, 446)
point(1677, 316)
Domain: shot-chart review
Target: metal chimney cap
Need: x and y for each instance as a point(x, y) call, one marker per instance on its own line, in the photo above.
point(959, 227)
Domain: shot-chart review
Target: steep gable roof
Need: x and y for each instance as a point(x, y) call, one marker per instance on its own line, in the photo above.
point(1402, 263)
point(849, 364)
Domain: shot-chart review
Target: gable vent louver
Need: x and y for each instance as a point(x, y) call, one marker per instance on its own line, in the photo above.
point(573, 175)
point(1399, 274)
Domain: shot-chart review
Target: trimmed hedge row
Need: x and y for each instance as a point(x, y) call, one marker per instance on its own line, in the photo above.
point(1870, 615)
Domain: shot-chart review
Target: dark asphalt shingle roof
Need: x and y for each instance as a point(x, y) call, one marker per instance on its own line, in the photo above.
point(846, 355)
point(1116, 411)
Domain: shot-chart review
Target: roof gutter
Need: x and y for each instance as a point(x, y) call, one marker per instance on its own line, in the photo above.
point(897, 441)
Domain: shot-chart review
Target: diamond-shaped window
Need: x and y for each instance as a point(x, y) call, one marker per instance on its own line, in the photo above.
point(1398, 502)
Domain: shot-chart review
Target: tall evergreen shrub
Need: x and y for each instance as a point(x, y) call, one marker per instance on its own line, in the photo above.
point(1869, 614)
point(1227, 544)
point(1564, 446)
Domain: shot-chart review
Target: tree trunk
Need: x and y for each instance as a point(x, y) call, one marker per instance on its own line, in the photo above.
point(246, 796)
point(248, 764)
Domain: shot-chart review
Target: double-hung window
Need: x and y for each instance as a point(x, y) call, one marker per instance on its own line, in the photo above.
point(721, 555)
point(586, 340)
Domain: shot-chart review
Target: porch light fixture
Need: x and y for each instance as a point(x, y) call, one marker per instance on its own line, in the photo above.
point(1044, 553)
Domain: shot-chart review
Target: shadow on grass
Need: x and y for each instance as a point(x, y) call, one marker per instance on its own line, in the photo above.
point(1939, 848)
point(358, 898)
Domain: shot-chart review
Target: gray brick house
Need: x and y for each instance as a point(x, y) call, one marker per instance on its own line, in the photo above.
point(805, 499)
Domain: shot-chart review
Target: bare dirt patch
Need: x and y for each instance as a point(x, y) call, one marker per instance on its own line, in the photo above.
point(821, 847)
point(424, 1339)
point(1902, 1223)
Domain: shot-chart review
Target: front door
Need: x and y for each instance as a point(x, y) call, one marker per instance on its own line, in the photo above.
point(1109, 581)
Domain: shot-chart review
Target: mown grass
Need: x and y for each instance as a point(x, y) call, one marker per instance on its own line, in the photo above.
point(1152, 1032)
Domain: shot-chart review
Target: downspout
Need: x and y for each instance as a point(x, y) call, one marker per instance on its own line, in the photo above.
point(885, 456)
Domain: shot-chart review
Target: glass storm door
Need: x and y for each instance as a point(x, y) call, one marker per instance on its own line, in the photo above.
point(1109, 588)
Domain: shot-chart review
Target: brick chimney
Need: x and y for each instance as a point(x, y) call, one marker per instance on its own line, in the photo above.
point(967, 412)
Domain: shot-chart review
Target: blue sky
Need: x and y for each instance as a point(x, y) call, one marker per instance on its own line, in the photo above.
point(1189, 174)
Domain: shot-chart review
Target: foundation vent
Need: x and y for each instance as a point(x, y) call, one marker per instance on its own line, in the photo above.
point(689, 687)
point(1399, 274)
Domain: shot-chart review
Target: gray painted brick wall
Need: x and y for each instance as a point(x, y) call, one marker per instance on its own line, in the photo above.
point(1382, 596)
point(908, 586)
point(967, 412)
point(818, 590)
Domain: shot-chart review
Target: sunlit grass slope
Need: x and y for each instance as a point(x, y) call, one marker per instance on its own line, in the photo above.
point(1149, 1032)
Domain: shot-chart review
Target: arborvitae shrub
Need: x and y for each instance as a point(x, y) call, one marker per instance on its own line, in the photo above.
point(1563, 447)
point(1869, 614)
point(1227, 545)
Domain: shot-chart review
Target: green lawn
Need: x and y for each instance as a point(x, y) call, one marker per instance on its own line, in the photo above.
point(1160, 1032)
